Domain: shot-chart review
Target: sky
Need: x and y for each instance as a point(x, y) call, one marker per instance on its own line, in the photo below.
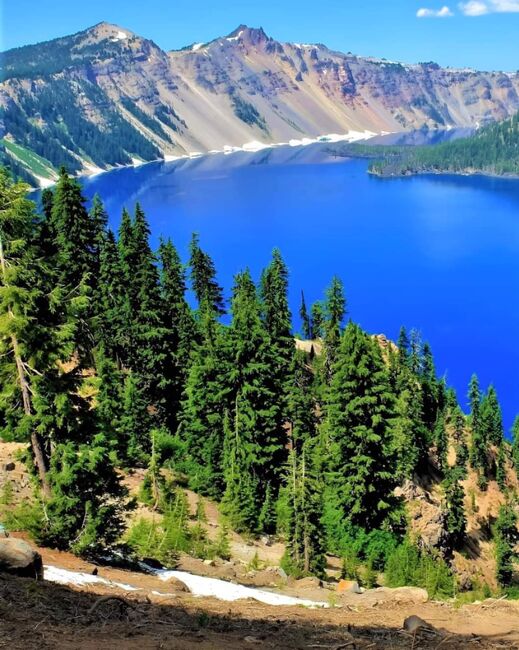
point(482, 34)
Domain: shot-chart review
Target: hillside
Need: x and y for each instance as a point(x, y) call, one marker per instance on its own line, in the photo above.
point(492, 150)
point(106, 97)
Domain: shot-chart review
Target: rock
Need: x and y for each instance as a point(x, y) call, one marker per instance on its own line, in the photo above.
point(9, 467)
point(414, 623)
point(177, 585)
point(402, 594)
point(308, 583)
point(348, 587)
point(19, 558)
point(209, 562)
point(251, 639)
point(465, 582)
point(267, 540)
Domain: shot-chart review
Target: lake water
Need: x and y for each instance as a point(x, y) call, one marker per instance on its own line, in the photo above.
point(440, 254)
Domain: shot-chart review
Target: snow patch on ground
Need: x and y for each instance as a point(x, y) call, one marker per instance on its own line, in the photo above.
point(197, 46)
point(202, 586)
point(65, 577)
point(234, 38)
point(44, 182)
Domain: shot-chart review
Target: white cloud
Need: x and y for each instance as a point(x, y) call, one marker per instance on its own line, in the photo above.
point(444, 12)
point(483, 7)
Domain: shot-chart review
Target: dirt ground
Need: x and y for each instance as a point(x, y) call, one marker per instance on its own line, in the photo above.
point(45, 616)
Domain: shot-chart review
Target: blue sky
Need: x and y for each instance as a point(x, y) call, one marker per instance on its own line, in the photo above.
point(476, 33)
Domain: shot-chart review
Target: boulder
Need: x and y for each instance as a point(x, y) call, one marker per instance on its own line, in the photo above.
point(177, 585)
point(9, 467)
point(19, 558)
point(348, 587)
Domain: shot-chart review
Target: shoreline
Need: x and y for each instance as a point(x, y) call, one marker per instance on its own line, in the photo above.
point(249, 147)
point(434, 172)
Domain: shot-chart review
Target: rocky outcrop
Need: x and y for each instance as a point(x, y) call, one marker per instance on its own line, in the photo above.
point(17, 557)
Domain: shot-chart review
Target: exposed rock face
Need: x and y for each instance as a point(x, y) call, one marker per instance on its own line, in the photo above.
point(234, 90)
point(18, 558)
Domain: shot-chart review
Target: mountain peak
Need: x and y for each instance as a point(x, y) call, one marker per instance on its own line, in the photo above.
point(253, 35)
point(103, 31)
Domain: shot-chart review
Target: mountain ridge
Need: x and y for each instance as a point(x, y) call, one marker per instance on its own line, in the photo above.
point(105, 97)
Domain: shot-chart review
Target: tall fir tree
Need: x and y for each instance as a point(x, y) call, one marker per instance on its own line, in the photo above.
point(306, 323)
point(506, 540)
point(456, 520)
point(360, 410)
point(515, 444)
point(335, 309)
point(203, 278)
point(491, 419)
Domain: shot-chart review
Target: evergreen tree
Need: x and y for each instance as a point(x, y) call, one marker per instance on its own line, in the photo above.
point(456, 521)
point(403, 346)
point(441, 441)
point(360, 411)
point(180, 329)
point(257, 417)
point(491, 419)
point(501, 466)
point(114, 320)
point(203, 278)
point(317, 320)
point(478, 449)
point(206, 399)
point(306, 323)
point(462, 450)
point(507, 537)
point(75, 233)
point(515, 444)
point(335, 310)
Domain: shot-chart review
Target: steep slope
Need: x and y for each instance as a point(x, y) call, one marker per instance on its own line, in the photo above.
point(106, 97)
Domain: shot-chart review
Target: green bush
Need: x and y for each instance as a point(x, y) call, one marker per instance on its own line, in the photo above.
point(409, 566)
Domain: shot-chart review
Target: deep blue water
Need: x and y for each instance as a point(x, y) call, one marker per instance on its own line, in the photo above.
point(437, 253)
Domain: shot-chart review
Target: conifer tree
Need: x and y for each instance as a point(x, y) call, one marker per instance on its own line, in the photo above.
point(114, 320)
point(335, 310)
point(441, 442)
point(506, 539)
point(75, 233)
point(403, 346)
point(306, 323)
point(501, 466)
point(360, 410)
point(203, 278)
point(462, 450)
point(491, 419)
point(515, 444)
point(206, 399)
point(257, 417)
point(456, 521)
point(478, 449)
point(317, 319)
point(180, 328)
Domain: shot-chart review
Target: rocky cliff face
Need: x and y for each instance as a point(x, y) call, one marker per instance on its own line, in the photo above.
point(105, 97)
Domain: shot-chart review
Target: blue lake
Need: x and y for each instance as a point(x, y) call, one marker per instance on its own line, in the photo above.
point(440, 253)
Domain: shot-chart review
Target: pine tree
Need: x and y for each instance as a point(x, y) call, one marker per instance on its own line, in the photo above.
point(360, 410)
point(515, 444)
point(456, 521)
point(317, 319)
point(491, 419)
point(180, 329)
point(478, 449)
point(462, 450)
point(203, 278)
point(506, 538)
point(304, 553)
point(306, 323)
point(75, 233)
point(114, 320)
point(501, 466)
point(441, 441)
point(335, 309)
point(403, 346)
point(206, 399)
point(257, 417)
